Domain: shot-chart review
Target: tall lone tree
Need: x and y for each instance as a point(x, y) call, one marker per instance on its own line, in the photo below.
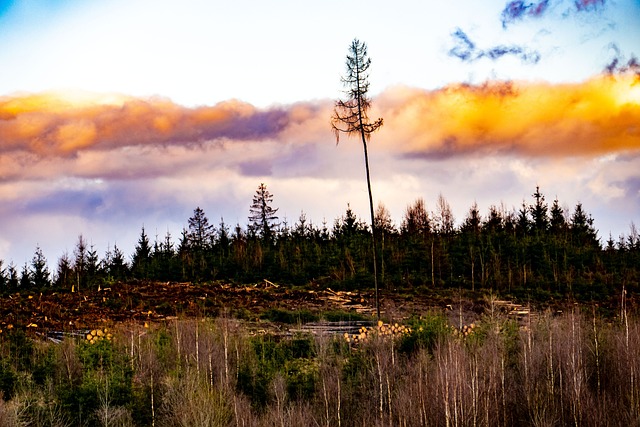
point(350, 117)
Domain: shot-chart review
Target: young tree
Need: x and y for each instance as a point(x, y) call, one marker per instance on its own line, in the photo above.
point(224, 236)
point(494, 221)
point(64, 272)
point(12, 276)
point(470, 238)
point(350, 116)
point(473, 222)
point(262, 216)
point(200, 232)
point(557, 222)
point(114, 264)
point(25, 277)
point(40, 272)
point(80, 265)
point(164, 258)
point(416, 219)
point(185, 255)
point(93, 265)
point(141, 259)
point(444, 216)
point(348, 225)
point(539, 213)
point(523, 223)
point(582, 229)
point(383, 222)
point(302, 229)
point(200, 236)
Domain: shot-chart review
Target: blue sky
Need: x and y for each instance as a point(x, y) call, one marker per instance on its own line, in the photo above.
point(201, 52)
point(181, 79)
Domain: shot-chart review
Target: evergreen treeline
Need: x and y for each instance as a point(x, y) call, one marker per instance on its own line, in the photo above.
point(536, 248)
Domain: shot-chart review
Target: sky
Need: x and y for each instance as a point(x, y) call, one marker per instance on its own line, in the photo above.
point(118, 114)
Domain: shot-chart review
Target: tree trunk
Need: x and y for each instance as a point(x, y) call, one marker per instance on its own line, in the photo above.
point(373, 230)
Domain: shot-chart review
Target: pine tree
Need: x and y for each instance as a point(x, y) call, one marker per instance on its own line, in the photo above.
point(301, 229)
point(262, 216)
point(224, 238)
point(80, 264)
point(200, 233)
point(40, 271)
point(523, 223)
point(64, 273)
point(13, 279)
point(557, 222)
point(494, 221)
point(539, 213)
point(93, 264)
point(582, 230)
point(200, 238)
point(185, 255)
point(114, 264)
point(118, 262)
point(223, 246)
point(349, 225)
point(473, 222)
point(25, 277)
point(164, 258)
point(141, 260)
point(167, 246)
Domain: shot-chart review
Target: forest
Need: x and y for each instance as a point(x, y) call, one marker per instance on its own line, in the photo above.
point(575, 366)
point(538, 251)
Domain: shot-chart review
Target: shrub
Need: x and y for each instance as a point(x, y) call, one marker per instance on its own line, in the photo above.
point(301, 378)
point(8, 380)
point(426, 332)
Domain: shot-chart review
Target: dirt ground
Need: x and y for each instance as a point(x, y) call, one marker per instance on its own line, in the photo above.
point(157, 301)
point(141, 302)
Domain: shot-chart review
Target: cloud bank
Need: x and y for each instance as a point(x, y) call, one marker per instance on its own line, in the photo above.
point(53, 124)
point(104, 165)
point(592, 118)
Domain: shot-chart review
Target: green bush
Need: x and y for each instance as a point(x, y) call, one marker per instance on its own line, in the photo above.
point(21, 349)
point(426, 333)
point(107, 378)
point(271, 355)
point(253, 381)
point(301, 376)
point(8, 380)
point(44, 366)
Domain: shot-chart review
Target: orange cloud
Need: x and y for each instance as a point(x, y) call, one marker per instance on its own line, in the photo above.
point(61, 124)
point(593, 118)
point(588, 119)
